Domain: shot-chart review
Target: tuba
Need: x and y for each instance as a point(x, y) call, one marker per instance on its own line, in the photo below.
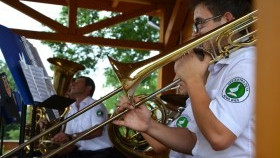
point(64, 71)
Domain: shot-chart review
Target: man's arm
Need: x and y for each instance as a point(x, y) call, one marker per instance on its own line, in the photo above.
point(178, 139)
point(61, 138)
point(219, 136)
point(191, 70)
point(156, 145)
point(139, 119)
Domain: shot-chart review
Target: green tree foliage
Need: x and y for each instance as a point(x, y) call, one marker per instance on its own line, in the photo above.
point(12, 131)
point(4, 69)
point(88, 55)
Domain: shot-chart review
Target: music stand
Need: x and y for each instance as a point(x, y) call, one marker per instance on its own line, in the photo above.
point(56, 102)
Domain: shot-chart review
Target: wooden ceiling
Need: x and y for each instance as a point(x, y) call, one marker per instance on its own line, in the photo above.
point(172, 14)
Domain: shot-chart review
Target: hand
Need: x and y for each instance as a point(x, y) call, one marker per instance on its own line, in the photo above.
point(191, 68)
point(182, 87)
point(137, 118)
point(61, 138)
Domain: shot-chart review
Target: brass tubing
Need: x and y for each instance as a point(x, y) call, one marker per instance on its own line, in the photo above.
point(111, 119)
point(21, 146)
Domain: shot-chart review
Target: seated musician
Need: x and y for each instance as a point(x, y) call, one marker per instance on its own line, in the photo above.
point(97, 144)
point(221, 110)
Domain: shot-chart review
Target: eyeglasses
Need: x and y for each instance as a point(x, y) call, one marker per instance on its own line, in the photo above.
point(202, 21)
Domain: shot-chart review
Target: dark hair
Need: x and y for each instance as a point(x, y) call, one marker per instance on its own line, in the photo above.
point(89, 82)
point(238, 8)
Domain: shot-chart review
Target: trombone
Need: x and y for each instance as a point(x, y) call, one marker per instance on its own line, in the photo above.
point(131, 78)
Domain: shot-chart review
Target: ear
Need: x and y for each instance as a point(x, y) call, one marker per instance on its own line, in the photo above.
point(88, 89)
point(228, 16)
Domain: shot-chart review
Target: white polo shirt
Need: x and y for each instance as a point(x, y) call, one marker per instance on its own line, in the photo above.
point(182, 122)
point(92, 117)
point(231, 87)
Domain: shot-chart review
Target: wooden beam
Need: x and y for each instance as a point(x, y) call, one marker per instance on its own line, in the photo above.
point(166, 73)
point(36, 15)
point(147, 2)
point(60, 37)
point(115, 20)
point(63, 2)
point(268, 85)
point(107, 5)
point(55, 2)
point(176, 23)
point(72, 16)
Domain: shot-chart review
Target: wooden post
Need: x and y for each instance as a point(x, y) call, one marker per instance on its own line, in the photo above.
point(268, 80)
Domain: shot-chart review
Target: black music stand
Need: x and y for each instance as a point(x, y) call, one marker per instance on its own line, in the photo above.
point(56, 102)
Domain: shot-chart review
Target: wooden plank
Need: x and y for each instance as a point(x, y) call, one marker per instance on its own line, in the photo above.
point(36, 15)
point(107, 5)
point(176, 23)
point(64, 2)
point(268, 85)
point(115, 20)
point(72, 17)
point(60, 37)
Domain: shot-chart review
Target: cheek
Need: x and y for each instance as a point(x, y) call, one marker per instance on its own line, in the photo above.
point(209, 26)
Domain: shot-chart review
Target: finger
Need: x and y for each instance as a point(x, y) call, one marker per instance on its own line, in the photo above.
point(124, 107)
point(118, 122)
point(55, 139)
point(131, 107)
point(136, 99)
point(123, 99)
point(119, 109)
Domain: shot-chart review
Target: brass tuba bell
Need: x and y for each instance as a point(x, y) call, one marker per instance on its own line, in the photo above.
point(64, 71)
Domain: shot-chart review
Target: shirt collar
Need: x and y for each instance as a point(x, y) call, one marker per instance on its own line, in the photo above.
point(225, 61)
point(85, 102)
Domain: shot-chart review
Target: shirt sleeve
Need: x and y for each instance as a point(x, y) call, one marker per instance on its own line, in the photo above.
point(233, 102)
point(99, 114)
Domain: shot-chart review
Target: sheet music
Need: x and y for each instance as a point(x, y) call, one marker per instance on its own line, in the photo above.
point(40, 78)
point(35, 79)
point(33, 55)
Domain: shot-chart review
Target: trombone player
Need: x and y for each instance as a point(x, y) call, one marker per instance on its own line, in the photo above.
point(221, 107)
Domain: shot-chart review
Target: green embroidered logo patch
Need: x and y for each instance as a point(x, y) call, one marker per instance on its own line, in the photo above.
point(99, 113)
point(182, 122)
point(236, 90)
